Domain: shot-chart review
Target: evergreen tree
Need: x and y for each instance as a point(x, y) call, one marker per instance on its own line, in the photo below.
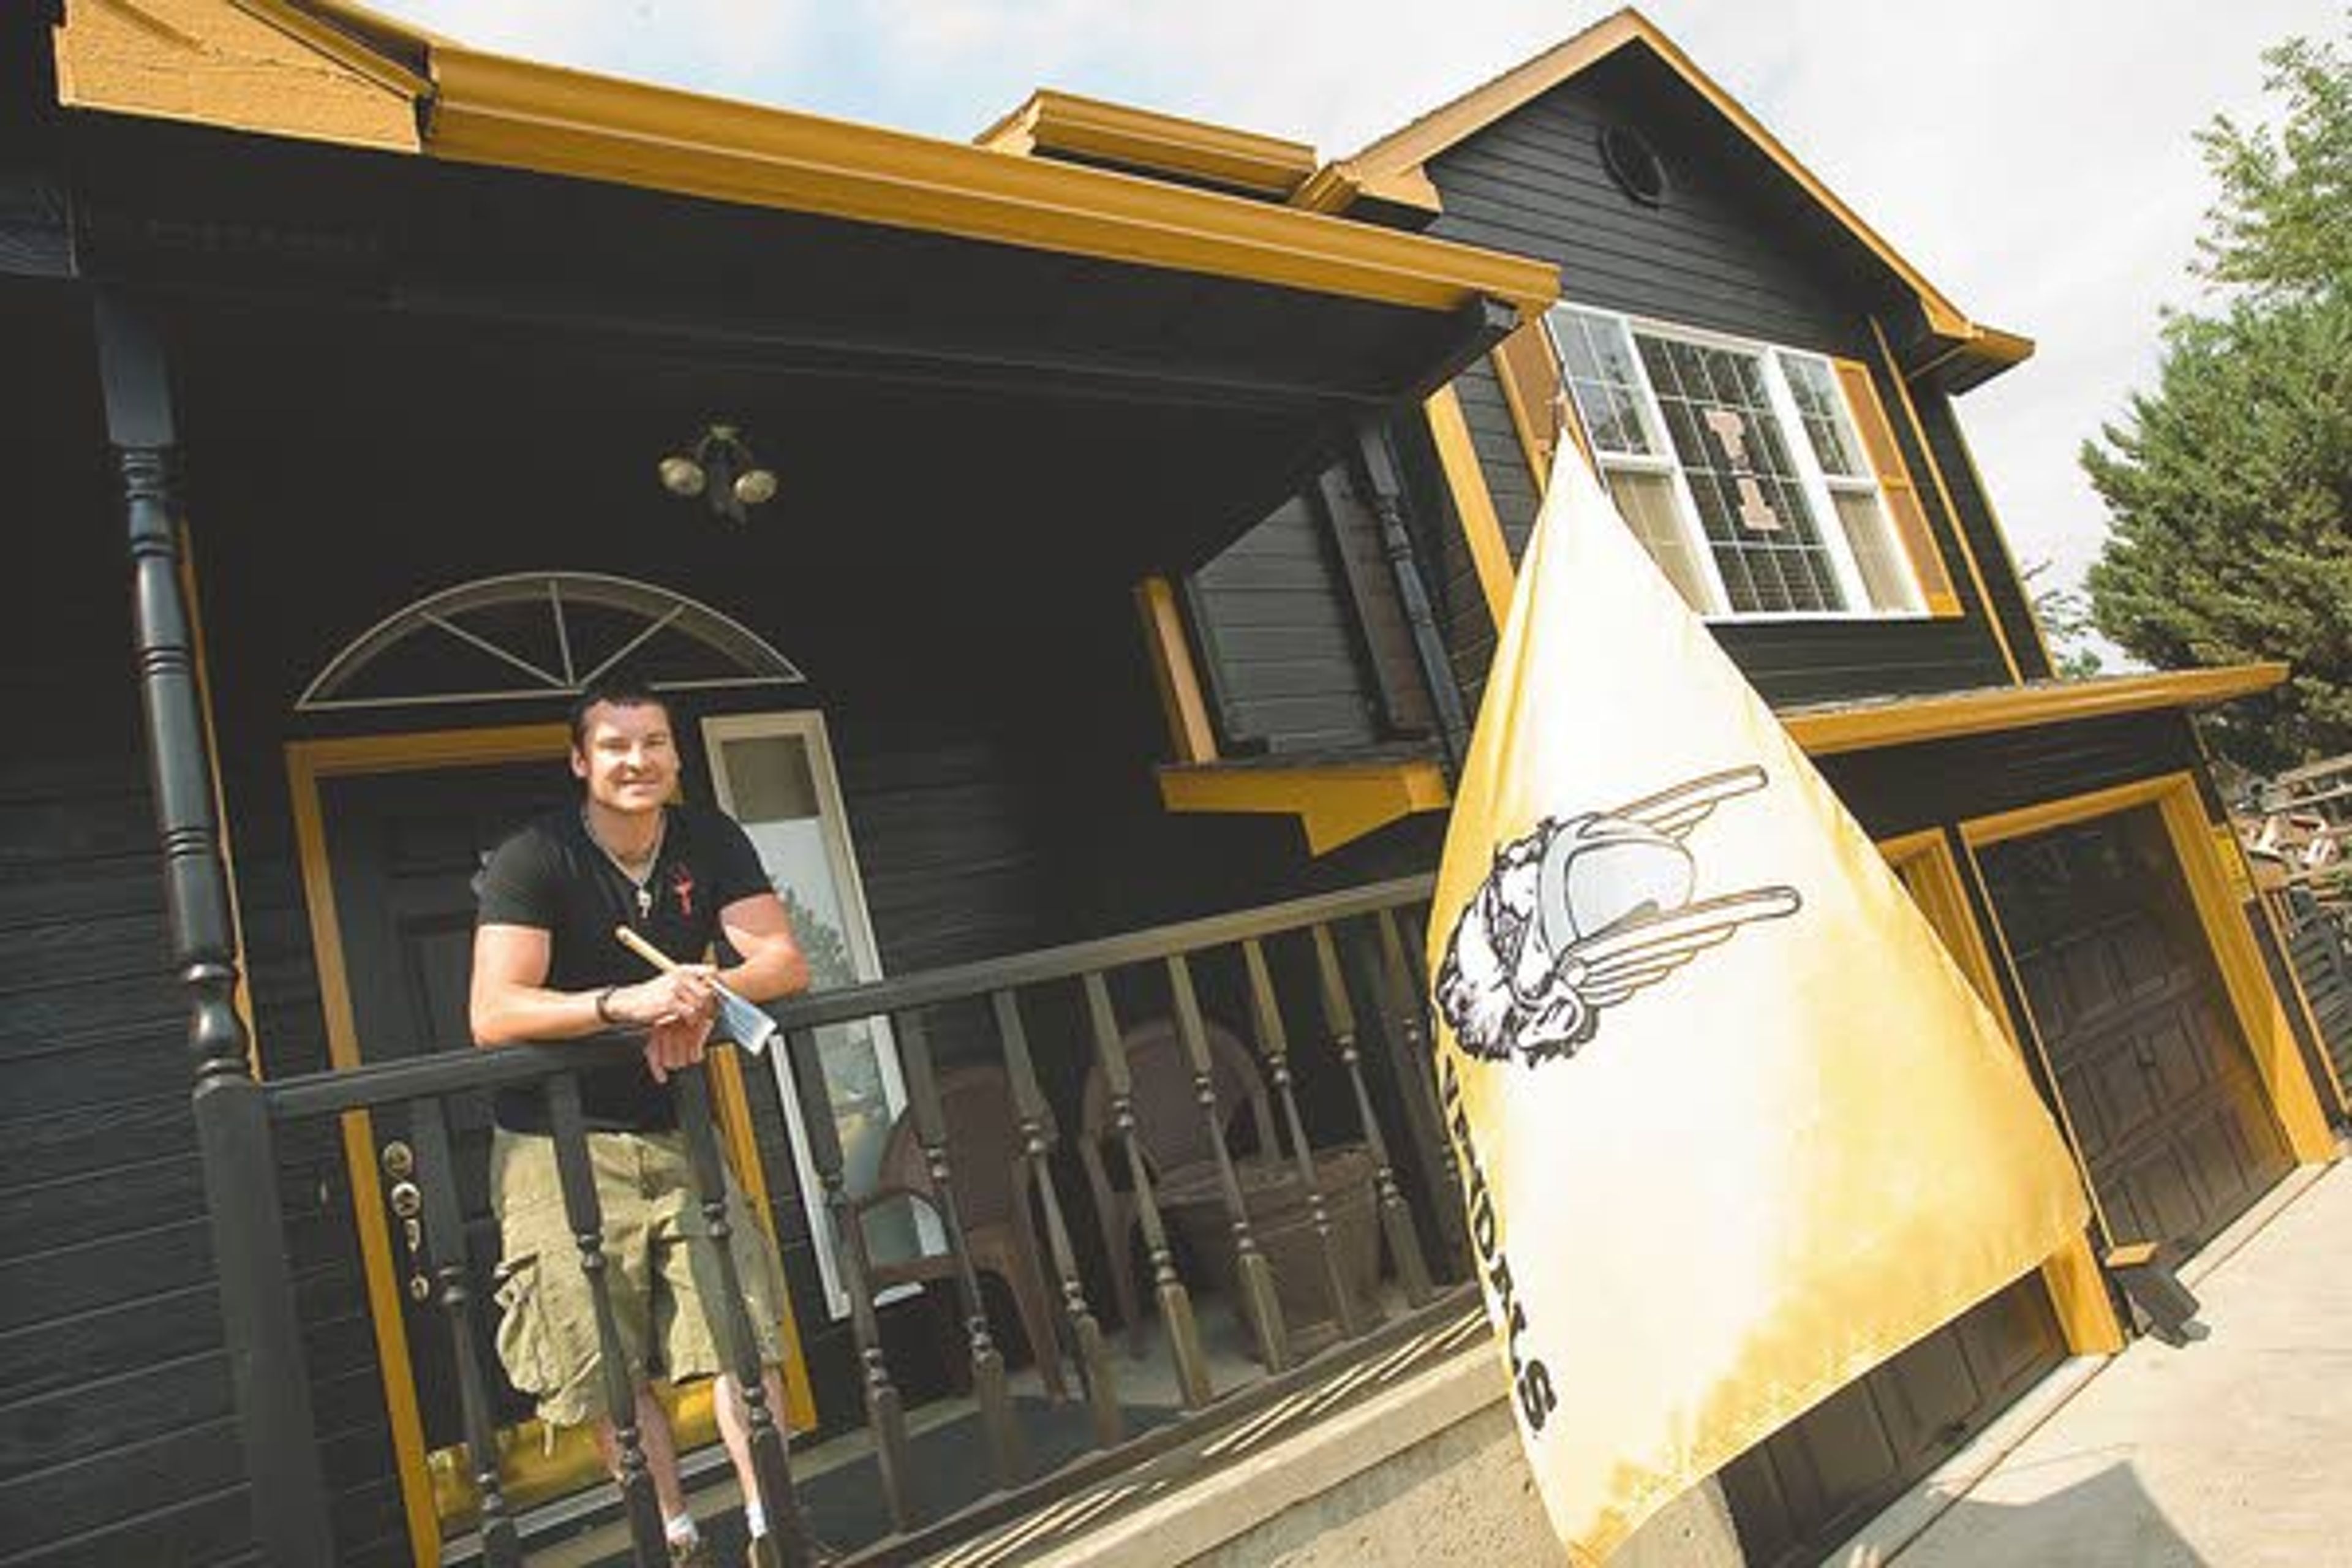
point(2229, 486)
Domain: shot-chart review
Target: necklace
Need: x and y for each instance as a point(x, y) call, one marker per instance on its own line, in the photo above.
point(641, 884)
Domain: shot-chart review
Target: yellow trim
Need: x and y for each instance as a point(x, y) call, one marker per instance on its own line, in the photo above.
point(1827, 731)
point(436, 1492)
point(1190, 737)
point(248, 65)
point(2078, 1291)
point(1168, 144)
point(1951, 513)
point(2261, 1016)
point(514, 113)
point(2009, 556)
point(1527, 367)
point(1411, 147)
point(1481, 529)
point(1338, 187)
point(1334, 803)
point(1897, 488)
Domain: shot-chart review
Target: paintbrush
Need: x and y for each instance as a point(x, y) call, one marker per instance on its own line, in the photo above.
point(745, 1023)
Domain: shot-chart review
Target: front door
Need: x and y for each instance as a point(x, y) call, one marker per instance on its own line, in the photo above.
point(395, 831)
point(2163, 1097)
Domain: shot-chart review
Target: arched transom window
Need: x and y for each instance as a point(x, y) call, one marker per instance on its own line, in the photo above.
point(541, 635)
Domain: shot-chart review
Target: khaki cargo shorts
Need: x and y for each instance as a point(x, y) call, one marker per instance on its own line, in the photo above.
point(656, 1274)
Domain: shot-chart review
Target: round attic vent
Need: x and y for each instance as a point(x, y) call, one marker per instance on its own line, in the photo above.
point(1634, 164)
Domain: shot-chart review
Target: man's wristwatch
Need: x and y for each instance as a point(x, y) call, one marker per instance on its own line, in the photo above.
point(604, 1005)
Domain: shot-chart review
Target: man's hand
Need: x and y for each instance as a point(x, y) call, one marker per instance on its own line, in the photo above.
point(677, 1043)
point(688, 993)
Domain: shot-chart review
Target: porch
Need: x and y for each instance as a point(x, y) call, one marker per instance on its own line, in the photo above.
point(1229, 1174)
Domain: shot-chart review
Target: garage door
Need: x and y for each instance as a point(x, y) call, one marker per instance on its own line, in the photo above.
point(2172, 1119)
point(1817, 1480)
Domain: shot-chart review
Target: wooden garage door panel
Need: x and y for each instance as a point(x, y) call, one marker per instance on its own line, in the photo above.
point(2164, 1101)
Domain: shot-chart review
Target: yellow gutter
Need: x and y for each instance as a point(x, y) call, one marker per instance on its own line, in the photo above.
point(493, 110)
point(1824, 732)
point(1334, 802)
point(1066, 123)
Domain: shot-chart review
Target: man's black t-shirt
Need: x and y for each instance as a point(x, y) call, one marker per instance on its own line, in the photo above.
point(550, 875)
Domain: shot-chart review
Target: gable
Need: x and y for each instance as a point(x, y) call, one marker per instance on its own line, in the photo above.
point(250, 64)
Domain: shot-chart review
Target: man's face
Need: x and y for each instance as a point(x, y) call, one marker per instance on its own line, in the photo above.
point(628, 756)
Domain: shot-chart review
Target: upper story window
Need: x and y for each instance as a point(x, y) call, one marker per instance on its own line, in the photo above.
point(1741, 468)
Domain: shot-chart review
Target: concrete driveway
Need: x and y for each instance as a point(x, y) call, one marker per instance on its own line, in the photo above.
point(2233, 1451)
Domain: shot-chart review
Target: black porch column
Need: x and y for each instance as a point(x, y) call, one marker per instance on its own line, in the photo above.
point(233, 1131)
point(1375, 473)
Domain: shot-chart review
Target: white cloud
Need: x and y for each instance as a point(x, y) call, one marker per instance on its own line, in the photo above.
point(2034, 158)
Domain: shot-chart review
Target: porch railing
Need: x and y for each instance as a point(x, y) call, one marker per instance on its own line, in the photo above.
point(1295, 1034)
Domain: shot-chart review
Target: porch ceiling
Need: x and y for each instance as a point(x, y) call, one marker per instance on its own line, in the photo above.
point(1141, 415)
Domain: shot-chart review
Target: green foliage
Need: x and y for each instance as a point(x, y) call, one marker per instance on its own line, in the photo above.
point(2065, 617)
point(2283, 222)
point(2228, 486)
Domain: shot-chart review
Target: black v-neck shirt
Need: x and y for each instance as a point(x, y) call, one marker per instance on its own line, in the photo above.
point(552, 876)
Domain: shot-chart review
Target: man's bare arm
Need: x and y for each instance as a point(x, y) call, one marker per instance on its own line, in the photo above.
point(772, 963)
point(511, 1003)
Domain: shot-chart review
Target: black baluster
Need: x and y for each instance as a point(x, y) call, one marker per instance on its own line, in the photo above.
point(1266, 1011)
point(1037, 1143)
point(575, 1168)
point(1396, 1214)
point(443, 1235)
point(1175, 1302)
point(1259, 1303)
point(1415, 1064)
point(885, 1411)
point(232, 1117)
point(1006, 1452)
point(787, 1538)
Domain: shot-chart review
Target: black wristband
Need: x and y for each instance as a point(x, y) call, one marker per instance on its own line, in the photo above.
point(604, 1005)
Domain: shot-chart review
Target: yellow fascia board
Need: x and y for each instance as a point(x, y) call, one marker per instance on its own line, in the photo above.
point(1334, 802)
point(1414, 144)
point(1093, 128)
point(493, 110)
point(1826, 732)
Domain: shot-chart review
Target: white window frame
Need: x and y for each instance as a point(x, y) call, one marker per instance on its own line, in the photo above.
point(1819, 487)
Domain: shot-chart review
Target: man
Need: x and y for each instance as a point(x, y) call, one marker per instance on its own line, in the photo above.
point(547, 967)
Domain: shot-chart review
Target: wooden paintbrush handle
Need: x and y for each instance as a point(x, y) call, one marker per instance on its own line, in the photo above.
point(643, 949)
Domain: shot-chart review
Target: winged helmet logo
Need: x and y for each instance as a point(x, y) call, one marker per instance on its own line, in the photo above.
point(1586, 912)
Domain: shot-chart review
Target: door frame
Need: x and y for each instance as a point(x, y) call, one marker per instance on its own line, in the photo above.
point(1925, 865)
point(2261, 1013)
point(434, 1488)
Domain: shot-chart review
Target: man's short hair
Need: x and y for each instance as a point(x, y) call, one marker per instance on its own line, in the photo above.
point(621, 692)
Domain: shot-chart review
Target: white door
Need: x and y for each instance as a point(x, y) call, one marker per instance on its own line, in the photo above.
point(773, 774)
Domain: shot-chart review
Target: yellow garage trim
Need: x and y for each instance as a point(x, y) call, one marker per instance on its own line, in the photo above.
point(1065, 123)
point(1335, 803)
point(2294, 1099)
point(2078, 1289)
point(1826, 730)
point(518, 114)
point(1473, 504)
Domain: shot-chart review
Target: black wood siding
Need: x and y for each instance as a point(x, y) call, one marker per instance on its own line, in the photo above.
point(1732, 250)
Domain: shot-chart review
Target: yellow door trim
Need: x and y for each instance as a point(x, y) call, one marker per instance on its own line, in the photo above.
point(2261, 1016)
point(2077, 1286)
point(434, 1490)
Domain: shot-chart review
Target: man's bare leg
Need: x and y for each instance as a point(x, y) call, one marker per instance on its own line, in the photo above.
point(735, 1424)
point(660, 1445)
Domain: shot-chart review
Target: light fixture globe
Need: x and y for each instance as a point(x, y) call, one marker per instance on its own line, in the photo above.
point(682, 477)
point(755, 487)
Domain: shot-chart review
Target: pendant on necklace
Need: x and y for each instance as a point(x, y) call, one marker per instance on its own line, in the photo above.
point(644, 902)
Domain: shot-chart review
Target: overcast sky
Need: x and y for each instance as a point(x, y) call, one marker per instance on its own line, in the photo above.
point(2033, 157)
